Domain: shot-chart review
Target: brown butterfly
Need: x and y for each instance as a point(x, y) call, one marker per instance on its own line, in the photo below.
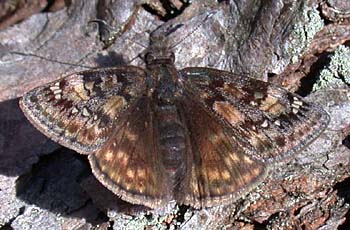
point(199, 136)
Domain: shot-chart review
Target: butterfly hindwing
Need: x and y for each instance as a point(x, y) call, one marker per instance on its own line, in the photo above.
point(219, 170)
point(129, 163)
point(267, 120)
point(79, 111)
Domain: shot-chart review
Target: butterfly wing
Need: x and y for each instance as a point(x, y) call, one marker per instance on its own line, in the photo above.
point(219, 170)
point(129, 163)
point(267, 120)
point(79, 111)
point(236, 127)
point(106, 114)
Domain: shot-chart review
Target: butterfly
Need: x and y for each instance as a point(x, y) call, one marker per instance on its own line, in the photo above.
point(198, 136)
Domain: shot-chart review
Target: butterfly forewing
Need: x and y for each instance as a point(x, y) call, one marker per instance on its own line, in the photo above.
point(269, 122)
point(78, 111)
point(219, 170)
point(129, 163)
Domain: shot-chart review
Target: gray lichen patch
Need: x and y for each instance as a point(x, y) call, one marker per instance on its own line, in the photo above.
point(303, 33)
point(337, 73)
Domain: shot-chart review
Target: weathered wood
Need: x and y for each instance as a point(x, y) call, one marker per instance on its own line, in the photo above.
point(269, 40)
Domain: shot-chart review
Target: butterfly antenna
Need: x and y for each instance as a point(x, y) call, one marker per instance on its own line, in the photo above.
point(138, 43)
point(134, 58)
point(48, 59)
point(210, 14)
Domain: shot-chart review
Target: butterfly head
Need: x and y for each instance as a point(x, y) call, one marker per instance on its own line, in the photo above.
point(159, 51)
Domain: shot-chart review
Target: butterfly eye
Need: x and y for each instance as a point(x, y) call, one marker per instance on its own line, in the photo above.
point(149, 58)
point(172, 57)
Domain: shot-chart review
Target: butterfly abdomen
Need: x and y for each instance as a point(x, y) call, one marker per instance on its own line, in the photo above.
point(172, 142)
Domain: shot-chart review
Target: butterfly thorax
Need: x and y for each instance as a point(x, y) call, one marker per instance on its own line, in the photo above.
point(165, 83)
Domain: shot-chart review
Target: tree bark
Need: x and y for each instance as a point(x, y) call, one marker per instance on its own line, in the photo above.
point(300, 45)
